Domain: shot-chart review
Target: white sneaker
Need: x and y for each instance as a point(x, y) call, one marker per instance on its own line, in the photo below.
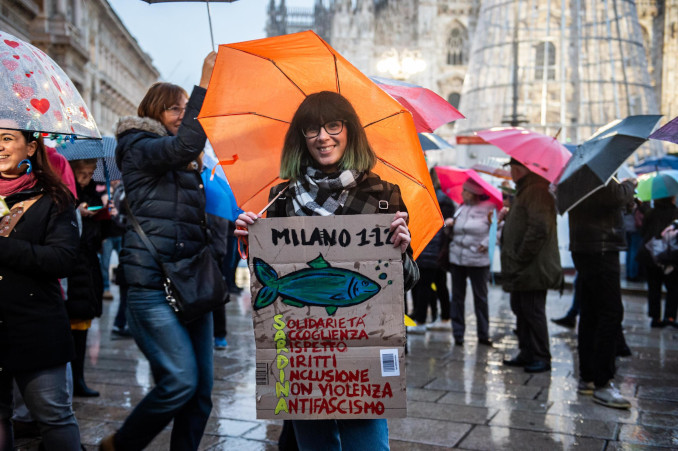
point(609, 396)
point(418, 329)
point(440, 324)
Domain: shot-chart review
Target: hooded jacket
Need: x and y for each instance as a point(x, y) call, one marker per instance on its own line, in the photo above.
point(164, 193)
point(530, 260)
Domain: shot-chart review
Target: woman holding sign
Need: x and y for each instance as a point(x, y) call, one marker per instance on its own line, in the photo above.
point(327, 159)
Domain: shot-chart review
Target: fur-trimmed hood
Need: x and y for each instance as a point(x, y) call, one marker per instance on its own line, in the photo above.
point(146, 124)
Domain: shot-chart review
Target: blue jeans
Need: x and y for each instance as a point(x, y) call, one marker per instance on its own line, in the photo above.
point(47, 397)
point(341, 435)
point(107, 247)
point(181, 359)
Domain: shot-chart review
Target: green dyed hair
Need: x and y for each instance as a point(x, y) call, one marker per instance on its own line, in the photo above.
point(319, 108)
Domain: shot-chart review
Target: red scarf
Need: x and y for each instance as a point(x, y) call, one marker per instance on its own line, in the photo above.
point(13, 186)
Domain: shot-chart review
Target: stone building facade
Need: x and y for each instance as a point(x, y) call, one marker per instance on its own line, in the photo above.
point(90, 43)
point(441, 32)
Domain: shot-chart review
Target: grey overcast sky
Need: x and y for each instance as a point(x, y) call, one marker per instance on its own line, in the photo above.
point(176, 35)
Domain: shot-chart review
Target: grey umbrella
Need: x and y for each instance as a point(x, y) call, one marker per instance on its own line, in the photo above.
point(596, 160)
point(102, 149)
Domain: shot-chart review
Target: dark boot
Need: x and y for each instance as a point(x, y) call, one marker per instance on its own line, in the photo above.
point(78, 365)
point(6, 434)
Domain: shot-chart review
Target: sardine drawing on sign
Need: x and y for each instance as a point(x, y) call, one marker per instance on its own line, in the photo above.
point(319, 285)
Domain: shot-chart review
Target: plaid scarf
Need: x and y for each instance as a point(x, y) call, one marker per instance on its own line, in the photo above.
point(320, 194)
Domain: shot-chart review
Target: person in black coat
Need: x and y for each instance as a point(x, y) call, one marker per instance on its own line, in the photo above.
point(35, 251)
point(158, 154)
point(85, 286)
point(654, 222)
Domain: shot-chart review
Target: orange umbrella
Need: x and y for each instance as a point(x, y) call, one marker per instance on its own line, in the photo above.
point(255, 90)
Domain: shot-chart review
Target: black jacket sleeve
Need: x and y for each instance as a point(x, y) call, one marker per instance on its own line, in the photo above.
point(55, 256)
point(159, 155)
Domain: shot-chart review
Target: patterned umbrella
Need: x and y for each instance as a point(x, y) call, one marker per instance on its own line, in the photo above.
point(103, 149)
point(37, 95)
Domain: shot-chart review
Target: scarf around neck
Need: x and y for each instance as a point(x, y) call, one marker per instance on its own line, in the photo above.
point(13, 186)
point(320, 194)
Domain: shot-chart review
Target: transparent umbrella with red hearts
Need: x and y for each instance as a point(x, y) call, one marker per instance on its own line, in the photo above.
point(36, 94)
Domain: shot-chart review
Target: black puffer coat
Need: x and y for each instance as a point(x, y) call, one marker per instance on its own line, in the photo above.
point(166, 196)
point(34, 329)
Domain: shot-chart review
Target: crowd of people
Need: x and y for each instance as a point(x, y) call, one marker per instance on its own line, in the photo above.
point(60, 233)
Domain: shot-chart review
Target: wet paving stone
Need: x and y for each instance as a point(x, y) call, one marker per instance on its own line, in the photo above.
point(458, 397)
point(649, 435)
point(556, 423)
point(494, 438)
point(427, 432)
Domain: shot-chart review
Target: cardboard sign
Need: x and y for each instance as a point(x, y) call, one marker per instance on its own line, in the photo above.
point(328, 318)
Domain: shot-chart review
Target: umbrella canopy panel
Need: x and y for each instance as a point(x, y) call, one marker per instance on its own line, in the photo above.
point(595, 161)
point(255, 90)
point(669, 132)
point(452, 182)
point(541, 154)
point(428, 109)
point(431, 141)
point(102, 149)
point(36, 93)
point(656, 164)
point(657, 185)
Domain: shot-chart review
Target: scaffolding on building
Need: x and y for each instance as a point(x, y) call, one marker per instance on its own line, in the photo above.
point(548, 65)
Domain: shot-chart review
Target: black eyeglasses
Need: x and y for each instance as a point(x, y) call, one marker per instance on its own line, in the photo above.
point(331, 127)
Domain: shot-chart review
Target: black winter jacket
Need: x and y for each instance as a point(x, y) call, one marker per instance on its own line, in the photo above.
point(597, 223)
point(34, 329)
point(165, 195)
point(654, 222)
point(86, 285)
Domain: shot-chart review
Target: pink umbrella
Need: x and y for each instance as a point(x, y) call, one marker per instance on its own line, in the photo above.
point(452, 180)
point(428, 109)
point(541, 154)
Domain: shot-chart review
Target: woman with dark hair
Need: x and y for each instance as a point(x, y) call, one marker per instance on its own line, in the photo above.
point(328, 161)
point(158, 154)
point(469, 259)
point(39, 242)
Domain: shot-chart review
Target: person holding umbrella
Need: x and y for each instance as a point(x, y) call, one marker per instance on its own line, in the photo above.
point(39, 242)
point(328, 161)
point(469, 258)
point(596, 238)
point(530, 264)
point(158, 154)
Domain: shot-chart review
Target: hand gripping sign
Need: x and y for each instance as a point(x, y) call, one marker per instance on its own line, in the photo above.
point(327, 296)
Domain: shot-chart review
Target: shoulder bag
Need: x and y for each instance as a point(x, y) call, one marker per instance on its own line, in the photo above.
point(194, 286)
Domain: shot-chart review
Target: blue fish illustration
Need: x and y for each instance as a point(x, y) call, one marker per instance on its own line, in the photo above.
point(318, 285)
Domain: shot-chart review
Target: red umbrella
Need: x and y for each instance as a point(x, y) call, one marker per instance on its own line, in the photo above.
point(452, 180)
point(428, 109)
point(541, 154)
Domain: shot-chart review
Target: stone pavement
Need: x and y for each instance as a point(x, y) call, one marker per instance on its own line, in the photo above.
point(458, 397)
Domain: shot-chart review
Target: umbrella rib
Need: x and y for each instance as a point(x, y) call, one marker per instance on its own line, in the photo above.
point(386, 163)
point(274, 64)
point(245, 114)
point(384, 118)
